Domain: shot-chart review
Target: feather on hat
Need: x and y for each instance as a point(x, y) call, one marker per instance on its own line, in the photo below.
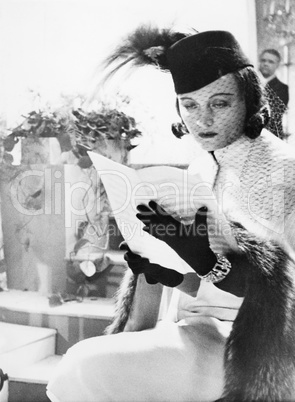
point(145, 46)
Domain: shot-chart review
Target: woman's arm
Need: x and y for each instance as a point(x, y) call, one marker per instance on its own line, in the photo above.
point(190, 284)
point(207, 247)
point(223, 241)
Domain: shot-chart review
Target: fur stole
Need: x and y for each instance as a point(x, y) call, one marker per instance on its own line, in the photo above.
point(124, 301)
point(260, 352)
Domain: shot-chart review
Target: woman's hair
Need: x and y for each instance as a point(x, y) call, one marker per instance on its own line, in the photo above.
point(257, 109)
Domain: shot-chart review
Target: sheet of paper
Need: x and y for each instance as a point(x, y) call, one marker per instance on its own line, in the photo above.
point(126, 188)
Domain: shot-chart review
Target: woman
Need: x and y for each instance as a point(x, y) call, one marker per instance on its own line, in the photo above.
point(229, 329)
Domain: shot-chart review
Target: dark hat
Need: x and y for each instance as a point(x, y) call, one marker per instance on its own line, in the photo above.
point(200, 59)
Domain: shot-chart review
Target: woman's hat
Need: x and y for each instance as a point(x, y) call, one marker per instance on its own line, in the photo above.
point(194, 60)
point(200, 59)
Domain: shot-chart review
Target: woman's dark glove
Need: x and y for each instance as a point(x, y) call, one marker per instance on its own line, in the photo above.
point(190, 242)
point(153, 273)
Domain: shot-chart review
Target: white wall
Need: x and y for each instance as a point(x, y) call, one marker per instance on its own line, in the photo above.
point(54, 47)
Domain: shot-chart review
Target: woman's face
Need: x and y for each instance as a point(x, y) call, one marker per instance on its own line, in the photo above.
point(214, 115)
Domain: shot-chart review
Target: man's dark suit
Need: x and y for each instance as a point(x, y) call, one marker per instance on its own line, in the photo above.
point(281, 89)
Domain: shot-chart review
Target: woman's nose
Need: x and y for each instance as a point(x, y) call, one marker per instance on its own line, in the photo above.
point(206, 119)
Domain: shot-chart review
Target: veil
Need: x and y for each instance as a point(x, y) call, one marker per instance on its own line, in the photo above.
point(277, 110)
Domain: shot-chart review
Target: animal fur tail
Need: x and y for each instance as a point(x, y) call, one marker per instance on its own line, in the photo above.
point(260, 353)
point(124, 302)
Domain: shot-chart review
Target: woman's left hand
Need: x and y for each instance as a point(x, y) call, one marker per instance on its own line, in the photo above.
point(190, 242)
point(154, 273)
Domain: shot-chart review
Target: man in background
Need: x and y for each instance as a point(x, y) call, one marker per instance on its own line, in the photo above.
point(269, 62)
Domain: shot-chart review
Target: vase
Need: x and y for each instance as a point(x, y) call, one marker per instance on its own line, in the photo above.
point(33, 224)
point(40, 150)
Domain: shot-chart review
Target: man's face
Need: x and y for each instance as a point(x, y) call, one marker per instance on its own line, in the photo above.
point(214, 115)
point(268, 64)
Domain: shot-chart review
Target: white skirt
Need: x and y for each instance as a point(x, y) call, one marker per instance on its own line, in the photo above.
point(173, 362)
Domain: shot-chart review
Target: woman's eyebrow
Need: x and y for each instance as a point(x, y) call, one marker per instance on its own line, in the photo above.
point(216, 94)
point(185, 98)
point(222, 93)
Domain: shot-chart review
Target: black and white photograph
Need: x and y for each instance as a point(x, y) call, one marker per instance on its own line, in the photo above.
point(147, 201)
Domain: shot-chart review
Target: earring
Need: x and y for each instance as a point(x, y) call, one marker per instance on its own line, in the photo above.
point(179, 129)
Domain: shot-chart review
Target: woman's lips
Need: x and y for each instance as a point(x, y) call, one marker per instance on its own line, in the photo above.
point(207, 135)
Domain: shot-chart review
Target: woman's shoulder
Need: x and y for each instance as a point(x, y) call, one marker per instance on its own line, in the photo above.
point(276, 146)
point(272, 147)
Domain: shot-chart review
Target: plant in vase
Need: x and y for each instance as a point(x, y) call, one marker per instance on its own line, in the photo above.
point(107, 131)
point(34, 132)
point(110, 133)
point(30, 242)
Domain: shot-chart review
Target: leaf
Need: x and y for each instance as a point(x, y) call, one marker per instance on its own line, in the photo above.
point(65, 142)
point(9, 143)
point(36, 194)
point(7, 158)
point(88, 268)
point(40, 129)
point(80, 243)
point(85, 162)
point(81, 229)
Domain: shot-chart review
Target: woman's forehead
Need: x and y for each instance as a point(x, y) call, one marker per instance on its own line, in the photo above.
point(224, 85)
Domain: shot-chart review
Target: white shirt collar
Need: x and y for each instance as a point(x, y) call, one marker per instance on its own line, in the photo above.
point(264, 80)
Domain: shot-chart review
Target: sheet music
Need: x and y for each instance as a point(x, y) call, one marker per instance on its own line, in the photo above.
point(126, 188)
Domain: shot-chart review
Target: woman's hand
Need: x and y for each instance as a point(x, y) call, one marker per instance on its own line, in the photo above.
point(153, 273)
point(190, 242)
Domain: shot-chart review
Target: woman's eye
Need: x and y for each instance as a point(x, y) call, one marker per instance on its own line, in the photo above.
point(190, 105)
point(219, 104)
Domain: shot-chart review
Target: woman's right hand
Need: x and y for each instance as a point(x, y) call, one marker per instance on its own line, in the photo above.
point(190, 242)
point(154, 273)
